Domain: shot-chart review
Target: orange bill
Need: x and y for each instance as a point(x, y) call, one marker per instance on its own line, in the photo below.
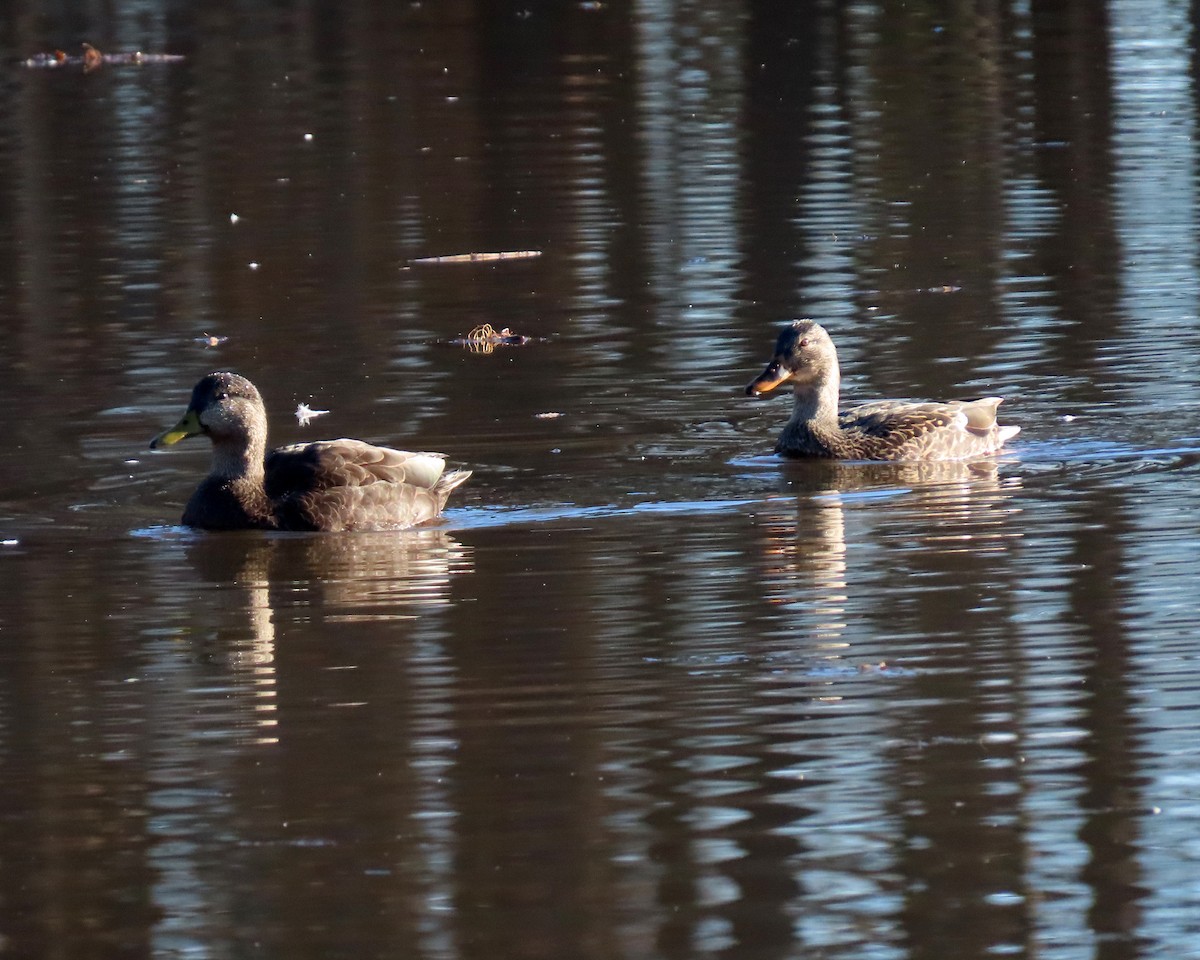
point(774, 374)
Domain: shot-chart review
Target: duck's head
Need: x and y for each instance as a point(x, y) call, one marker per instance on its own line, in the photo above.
point(224, 407)
point(803, 354)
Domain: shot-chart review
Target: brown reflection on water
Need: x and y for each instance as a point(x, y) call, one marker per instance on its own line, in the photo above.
point(812, 559)
point(365, 577)
point(362, 578)
point(963, 508)
point(866, 570)
point(284, 682)
point(640, 731)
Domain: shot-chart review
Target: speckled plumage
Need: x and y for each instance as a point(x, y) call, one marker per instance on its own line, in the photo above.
point(881, 430)
point(325, 485)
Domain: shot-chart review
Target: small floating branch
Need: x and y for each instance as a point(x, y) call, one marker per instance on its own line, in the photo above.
point(93, 58)
point(481, 257)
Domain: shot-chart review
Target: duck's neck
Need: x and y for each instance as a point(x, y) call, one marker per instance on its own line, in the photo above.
point(233, 496)
point(816, 403)
point(813, 428)
point(241, 459)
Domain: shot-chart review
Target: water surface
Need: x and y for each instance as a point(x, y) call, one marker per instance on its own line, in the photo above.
point(649, 691)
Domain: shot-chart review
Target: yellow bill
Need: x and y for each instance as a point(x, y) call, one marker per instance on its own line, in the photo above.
point(189, 426)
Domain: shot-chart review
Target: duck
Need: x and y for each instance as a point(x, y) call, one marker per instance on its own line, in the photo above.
point(907, 430)
point(325, 485)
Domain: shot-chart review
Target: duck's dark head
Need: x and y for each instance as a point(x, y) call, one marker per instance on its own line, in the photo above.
point(803, 353)
point(224, 406)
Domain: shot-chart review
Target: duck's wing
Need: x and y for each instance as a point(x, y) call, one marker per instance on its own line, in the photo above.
point(352, 485)
point(929, 430)
point(327, 464)
point(886, 417)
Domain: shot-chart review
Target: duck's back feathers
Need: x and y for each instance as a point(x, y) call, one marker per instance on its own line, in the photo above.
point(914, 430)
point(322, 464)
point(349, 484)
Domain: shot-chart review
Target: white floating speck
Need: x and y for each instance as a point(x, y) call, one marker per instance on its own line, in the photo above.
point(308, 138)
point(234, 218)
point(1067, 417)
point(305, 414)
point(548, 415)
point(9, 543)
point(254, 264)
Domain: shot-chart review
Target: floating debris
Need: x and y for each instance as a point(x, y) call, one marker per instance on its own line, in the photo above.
point(944, 288)
point(485, 338)
point(211, 340)
point(549, 415)
point(91, 58)
point(485, 333)
point(306, 414)
point(481, 257)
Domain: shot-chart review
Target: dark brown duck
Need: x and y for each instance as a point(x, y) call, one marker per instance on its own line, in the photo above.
point(324, 485)
point(884, 430)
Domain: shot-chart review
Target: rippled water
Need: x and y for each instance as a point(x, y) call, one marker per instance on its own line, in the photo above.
point(649, 691)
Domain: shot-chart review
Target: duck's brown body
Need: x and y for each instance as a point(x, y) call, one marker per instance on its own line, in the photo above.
point(326, 485)
point(882, 430)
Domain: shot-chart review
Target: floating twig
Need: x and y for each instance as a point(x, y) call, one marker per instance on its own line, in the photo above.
point(481, 257)
point(211, 340)
point(92, 58)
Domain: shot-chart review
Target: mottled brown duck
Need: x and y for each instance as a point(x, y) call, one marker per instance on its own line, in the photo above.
point(323, 485)
point(883, 430)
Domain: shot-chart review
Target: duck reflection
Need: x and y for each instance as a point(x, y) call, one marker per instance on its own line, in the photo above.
point(943, 508)
point(374, 576)
point(363, 577)
point(377, 575)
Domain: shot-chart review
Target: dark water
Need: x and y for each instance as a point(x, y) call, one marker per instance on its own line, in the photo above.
point(649, 692)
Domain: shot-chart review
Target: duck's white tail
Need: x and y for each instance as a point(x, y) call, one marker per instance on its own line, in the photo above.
point(448, 483)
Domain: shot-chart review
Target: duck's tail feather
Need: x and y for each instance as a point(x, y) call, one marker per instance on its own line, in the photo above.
point(448, 483)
